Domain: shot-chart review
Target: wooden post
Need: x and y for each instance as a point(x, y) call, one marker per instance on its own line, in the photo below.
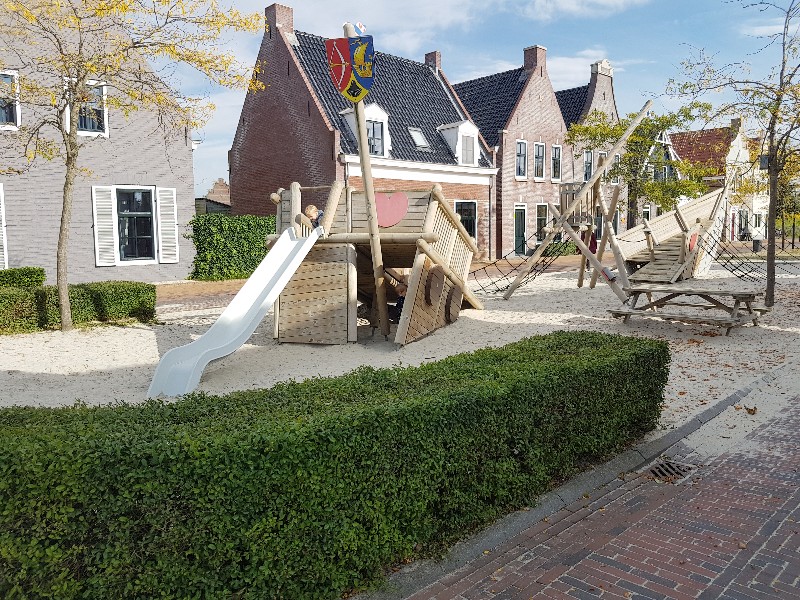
point(531, 262)
point(608, 216)
point(334, 197)
point(296, 207)
point(372, 211)
point(587, 238)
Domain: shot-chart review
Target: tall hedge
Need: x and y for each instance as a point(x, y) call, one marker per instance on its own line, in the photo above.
point(228, 247)
point(31, 309)
point(308, 489)
point(22, 277)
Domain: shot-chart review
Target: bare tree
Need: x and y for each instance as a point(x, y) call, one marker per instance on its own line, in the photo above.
point(773, 102)
point(128, 52)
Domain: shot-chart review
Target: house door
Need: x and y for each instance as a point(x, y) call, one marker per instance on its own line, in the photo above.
point(520, 214)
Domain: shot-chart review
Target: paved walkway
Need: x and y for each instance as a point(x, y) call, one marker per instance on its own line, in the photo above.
point(730, 529)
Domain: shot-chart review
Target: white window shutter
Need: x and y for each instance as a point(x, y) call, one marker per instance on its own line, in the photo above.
point(106, 241)
point(167, 207)
point(3, 239)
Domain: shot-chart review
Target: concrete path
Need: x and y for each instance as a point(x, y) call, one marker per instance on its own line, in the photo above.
point(729, 529)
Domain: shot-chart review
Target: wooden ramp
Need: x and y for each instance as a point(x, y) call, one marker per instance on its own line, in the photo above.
point(422, 241)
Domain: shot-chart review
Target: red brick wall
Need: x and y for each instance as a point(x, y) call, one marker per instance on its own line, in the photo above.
point(536, 118)
point(282, 134)
point(453, 192)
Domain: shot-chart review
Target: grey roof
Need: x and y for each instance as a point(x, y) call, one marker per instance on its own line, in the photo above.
point(491, 99)
point(410, 92)
point(571, 103)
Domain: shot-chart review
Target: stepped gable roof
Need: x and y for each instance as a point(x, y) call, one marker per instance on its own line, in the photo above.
point(490, 100)
point(409, 91)
point(571, 103)
point(708, 146)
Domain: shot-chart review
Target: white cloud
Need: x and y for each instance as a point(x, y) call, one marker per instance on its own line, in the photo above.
point(762, 28)
point(481, 66)
point(548, 10)
point(572, 71)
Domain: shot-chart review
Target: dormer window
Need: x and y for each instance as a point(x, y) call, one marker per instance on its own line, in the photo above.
point(420, 141)
point(375, 137)
point(378, 137)
point(9, 101)
point(462, 137)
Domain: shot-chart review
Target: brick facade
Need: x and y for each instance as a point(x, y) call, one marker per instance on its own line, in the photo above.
point(283, 134)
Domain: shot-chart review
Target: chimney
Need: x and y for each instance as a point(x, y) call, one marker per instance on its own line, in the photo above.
point(535, 56)
point(602, 67)
point(434, 60)
point(280, 17)
point(736, 124)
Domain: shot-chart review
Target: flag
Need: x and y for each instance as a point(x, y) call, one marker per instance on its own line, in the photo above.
point(351, 64)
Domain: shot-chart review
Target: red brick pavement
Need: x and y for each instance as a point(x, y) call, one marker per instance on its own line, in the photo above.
point(730, 530)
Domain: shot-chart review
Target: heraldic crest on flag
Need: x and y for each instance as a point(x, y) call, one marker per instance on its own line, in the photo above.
point(351, 64)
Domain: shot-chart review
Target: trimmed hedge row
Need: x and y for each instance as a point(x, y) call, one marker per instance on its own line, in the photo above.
point(308, 489)
point(32, 309)
point(228, 247)
point(22, 277)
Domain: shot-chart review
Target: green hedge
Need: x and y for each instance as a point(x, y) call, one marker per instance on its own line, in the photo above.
point(22, 277)
point(31, 309)
point(228, 247)
point(308, 489)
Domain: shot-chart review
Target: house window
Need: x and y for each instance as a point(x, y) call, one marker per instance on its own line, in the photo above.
point(9, 101)
point(646, 213)
point(375, 137)
point(136, 223)
point(603, 156)
point(617, 159)
point(541, 221)
point(468, 149)
point(538, 161)
point(468, 211)
point(420, 141)
point(587, 165)
point(555, 155)
point(522, 159)
point(92, 113)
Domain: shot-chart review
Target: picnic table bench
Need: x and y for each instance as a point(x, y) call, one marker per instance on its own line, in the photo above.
point(736, 307)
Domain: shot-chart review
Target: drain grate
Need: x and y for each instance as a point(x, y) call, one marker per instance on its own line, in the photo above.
point(668, 471)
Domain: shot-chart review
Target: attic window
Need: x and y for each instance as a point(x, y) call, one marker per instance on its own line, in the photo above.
point(419, 138)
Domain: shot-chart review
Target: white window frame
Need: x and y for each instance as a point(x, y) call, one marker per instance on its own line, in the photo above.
point(474, 203)
point(104, 133)
point(472, 141)
point(382, 138)
point(536, 147)
point(646, 208)
point(105, 219)
point(604, 156)
point(517, 176)
point(419, 139)
point(590, 155)
point(523, 207)
point(17, 107)
point(372, 112)
point(560, 162)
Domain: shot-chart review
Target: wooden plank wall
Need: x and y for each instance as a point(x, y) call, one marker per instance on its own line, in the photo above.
point(317, 306)
point(412, 223)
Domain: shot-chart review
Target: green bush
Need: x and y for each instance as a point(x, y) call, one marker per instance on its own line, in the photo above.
point(31, 309)
point(228, 247)
point(22, 277)
point(308, 489)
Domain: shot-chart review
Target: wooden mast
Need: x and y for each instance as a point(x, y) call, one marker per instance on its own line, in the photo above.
point(372, 212)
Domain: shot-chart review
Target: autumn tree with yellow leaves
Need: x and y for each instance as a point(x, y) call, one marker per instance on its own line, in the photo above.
point(64, 49)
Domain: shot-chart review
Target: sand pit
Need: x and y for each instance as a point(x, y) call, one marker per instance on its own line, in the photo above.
point(104, 365)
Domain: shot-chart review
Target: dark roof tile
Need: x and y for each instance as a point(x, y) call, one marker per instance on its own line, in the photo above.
point(571, 103)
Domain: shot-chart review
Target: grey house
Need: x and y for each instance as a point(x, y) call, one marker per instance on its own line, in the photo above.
point(130, 206)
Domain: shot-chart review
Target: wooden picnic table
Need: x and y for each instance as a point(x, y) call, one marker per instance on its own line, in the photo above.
point(737, 307)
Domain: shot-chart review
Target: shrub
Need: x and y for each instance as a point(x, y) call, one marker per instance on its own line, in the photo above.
point(307, 489)
point(30, 309)
point(228, 247)
point(22, 277)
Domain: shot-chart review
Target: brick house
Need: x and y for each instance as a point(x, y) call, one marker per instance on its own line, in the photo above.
point(524, 121)
point(128, 212)
point(301, 129)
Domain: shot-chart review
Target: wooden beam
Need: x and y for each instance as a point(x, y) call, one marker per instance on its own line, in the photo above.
point(334, 197)
point(454, 218)
point(531, 262)
point(296, 206)
point(457, 281)
point(364, 238)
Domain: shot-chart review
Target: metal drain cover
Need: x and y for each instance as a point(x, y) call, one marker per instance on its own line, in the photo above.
point(668, 471)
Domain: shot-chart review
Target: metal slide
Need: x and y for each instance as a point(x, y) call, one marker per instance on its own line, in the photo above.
point(180, 369)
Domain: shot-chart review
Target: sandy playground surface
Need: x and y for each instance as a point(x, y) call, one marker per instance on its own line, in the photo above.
point(108, 364)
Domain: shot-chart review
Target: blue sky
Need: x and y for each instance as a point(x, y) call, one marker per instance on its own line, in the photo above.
point(645, 40)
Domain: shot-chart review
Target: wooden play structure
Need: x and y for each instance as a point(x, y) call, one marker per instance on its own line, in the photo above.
point(420, 240)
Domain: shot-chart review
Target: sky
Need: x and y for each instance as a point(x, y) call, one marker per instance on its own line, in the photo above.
point(645, 41)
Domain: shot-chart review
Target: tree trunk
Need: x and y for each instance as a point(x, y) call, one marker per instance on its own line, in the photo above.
point(63, 241)
point(769, 295)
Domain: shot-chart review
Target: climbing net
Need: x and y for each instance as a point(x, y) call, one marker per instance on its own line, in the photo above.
point(497, 276)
